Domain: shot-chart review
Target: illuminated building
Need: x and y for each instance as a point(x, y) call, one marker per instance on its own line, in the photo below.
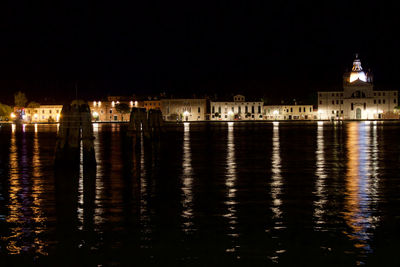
point(184, 109)
point(152, 104)
point(43, 114)
point(358, 100)
point(106, 111)
point(289, 112)
point(237, 109)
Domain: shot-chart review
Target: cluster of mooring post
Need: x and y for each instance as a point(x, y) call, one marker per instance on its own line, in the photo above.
point(75, 129)
point(150, 123)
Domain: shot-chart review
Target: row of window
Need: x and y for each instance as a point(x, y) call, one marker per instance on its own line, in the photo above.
point(43, 111)
point(383, 101)
point(152, 104)
point(226, 116)
point(375, 94)
point(239, 109)
point(376, 101)
point(333, 94)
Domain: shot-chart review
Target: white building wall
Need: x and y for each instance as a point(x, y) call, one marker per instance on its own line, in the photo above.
point(343, 105)
point(228, 111)
point(289, 112)
point(184, 109)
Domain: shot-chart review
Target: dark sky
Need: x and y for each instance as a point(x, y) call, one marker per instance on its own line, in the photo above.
point(215, 47)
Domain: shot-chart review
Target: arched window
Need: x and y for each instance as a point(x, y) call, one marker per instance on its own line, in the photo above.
point(358, 94)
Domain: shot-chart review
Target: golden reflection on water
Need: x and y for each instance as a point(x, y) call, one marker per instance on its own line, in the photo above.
point(361, 183)
point(276, 183)
point(98, 210)
point(187, 181)
point(80, 188)
point(15, 206)
point(319, 191)
point(276, 188)
point(37, 194)
point(26, 217)
point(230, 183)
point(144, 211)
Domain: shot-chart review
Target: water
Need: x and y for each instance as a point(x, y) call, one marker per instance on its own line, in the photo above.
point(249, 194)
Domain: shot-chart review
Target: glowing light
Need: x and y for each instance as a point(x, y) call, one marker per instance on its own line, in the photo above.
point(320, 123)
point(354, 76)
point(12, 115)
point(99, 103)
point(136, 103)
point(131, 103)
point(230, 113)
point(276, 112)
point(58, 117)
point(94, 103)
point(367, 122)
point(95, 114)
point(186, 113)
point(357, 72)
point(113, 104)
point(320, 111)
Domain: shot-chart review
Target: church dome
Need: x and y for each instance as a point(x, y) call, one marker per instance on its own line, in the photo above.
point(357, 72)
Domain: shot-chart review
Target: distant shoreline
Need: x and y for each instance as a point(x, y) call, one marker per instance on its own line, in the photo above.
point(219, 121)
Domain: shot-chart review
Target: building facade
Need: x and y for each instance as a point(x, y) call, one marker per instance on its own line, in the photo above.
point(290, 112)
point(43, 114)
point(184, 109)
point(358, 100)
point(107, 111)
point(152, 104)
point(239, 109)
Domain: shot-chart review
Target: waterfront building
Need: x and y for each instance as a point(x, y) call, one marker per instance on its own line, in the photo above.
point(238, 109)
point(43, 114)
point(290, 112)
point(106, 111)
point(358, 100)
point(152, 104)
point(184, 109)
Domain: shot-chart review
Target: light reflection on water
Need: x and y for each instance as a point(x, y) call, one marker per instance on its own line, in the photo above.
point(359, 180)
point(187, 181)
point(346, 182)
point(320, 182)
point(26, 191)
point(276, 182)
point(230, 184)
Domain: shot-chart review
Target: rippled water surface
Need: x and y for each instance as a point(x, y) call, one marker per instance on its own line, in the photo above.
point(254, 194)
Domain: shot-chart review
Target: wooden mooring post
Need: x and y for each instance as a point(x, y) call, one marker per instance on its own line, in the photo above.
point(150, 123)
point(75, 126)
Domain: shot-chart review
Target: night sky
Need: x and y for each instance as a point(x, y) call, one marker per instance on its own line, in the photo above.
point(257, 48)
